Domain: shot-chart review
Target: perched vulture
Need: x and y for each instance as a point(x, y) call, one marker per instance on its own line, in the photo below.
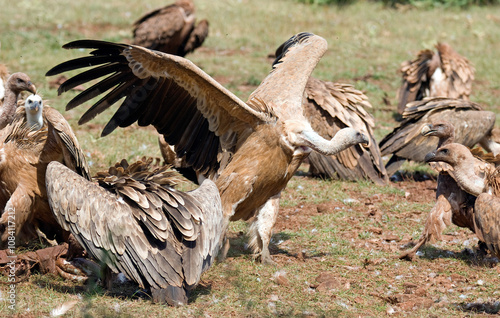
point(480, 179)
point(171, 29)
point(4, 75)
point(453, 205)
point(15, 85)
point(444, 73)
point(330, 107)
point(268, 136)
point(472, 125)
point(38, 135)
point(136, 223)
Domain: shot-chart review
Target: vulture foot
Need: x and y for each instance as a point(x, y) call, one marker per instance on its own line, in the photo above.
point(44, 237)
point(411, 255)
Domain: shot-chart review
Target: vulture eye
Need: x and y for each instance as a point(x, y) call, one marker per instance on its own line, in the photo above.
point(444, 151)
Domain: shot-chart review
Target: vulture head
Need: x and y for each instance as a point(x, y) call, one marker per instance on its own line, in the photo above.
point(442, 129)
point(34, 108)
point(19, 82)
point(469, 172)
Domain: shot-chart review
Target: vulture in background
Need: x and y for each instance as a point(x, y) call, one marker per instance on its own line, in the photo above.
point(444, 73)
point(330, 107)
point(480, 179)
point(135, 222)
point(472, 125)
point(15, 85)
point(453, 205)
point(38, 135)
point(267, 137)
point(171, 29)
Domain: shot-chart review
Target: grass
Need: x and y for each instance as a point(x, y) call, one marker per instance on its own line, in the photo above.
point(367, 42)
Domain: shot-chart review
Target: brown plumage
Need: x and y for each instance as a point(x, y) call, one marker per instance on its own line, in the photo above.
point(268, 136)
point(472, 125)
point(330, 107)
point(444, 73)
point(24, 155)
point(171, 29)
point(479, 179)
point(15, 85)
point(453, 205)
point(136, 223)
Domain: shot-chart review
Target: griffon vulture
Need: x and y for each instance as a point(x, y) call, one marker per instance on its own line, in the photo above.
point(268, 136)
point(453, 205)
point(444, 73)
point(472, 125)
point(37, 135)
point(171, 29)
point(330, 107)
point(480, 179)
point(15, 85)
point(135, 222)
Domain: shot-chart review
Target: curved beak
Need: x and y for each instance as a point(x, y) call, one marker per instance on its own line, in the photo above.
point(427, 130)
point(366, 141)
point(431, 156)
point(31, 88)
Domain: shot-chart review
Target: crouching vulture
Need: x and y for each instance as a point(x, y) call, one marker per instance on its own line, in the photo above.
point(480, 179)
point(136, 223)
point(472, 125)
point(267, 137)
point(444, 73)
point(453, 205)
point(37, 135)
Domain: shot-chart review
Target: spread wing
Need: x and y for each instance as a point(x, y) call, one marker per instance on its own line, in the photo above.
point(139, 225)
point(405, 141)
point(330, 107)
point(193, 111)
point(415, 78)
point(283, 88)
point(487, 221)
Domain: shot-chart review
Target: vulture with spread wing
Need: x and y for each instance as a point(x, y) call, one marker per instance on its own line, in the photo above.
point(136, 223)
point(171, 29)
point(480, 179)
point(330, 107)
point(267, 137)
point(444, 73)
point(37, 135)
point(15, 85)
point(472, 125)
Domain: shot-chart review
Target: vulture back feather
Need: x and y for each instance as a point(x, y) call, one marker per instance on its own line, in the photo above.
point(135, 222)
point(444, 73)
point(472, 125)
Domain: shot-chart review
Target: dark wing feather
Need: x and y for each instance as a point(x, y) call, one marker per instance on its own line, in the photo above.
point(330, 107)
point(109, 228)
point(157, 87)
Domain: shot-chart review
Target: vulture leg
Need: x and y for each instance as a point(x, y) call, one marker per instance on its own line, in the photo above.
point(261, 229)
point(42, 236)
point(14, 219)
point(438, 219)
